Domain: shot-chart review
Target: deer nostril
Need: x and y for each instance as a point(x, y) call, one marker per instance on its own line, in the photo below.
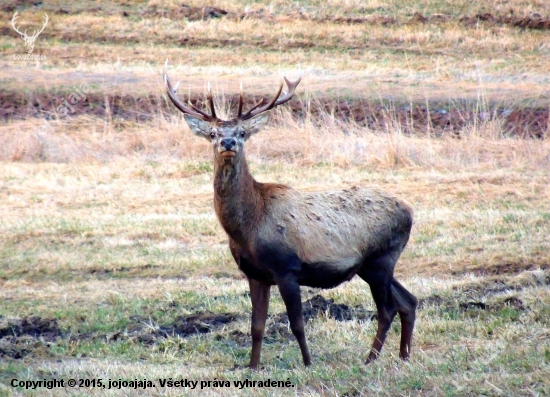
point(228, 143)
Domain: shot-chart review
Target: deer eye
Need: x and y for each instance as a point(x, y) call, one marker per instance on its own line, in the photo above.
point(242, 134)
point(212, 135)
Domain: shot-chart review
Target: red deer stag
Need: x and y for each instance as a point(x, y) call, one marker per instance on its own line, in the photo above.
point(285, 237)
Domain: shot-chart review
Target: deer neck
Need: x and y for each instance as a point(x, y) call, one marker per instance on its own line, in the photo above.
point(237, 199)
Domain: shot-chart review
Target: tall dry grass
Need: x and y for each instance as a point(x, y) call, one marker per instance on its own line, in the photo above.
point(302, 142)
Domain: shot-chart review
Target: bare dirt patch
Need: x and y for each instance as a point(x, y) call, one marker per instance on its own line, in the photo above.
point(28, 336)
point(141, 329)
point(199, 323)
point(313, 308)
point(320, 306)
point(33, 326)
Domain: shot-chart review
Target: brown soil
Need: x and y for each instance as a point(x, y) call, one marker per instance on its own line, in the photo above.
point(29, 335)
point(19, 347)
point(183, 326)
point(435, 118)
point(199, 323)
point(33, 326)
point(319, 306)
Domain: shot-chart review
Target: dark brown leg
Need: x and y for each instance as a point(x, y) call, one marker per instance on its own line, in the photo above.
point(406, 306)
point(290, 292)
point(386, 313)
point(378, 274)
point(259, 295)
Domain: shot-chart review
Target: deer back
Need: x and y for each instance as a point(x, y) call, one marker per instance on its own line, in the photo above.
point(335, 226)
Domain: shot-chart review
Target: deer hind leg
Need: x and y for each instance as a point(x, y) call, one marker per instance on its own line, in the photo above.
point(378, 274)
point(259, 295)
point(290, 292)
point(406, 306)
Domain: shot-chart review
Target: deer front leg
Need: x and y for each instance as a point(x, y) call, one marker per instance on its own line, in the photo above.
point(290, 292)
point(259, 295)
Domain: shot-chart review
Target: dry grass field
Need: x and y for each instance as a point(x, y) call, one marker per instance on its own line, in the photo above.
point(113, 265)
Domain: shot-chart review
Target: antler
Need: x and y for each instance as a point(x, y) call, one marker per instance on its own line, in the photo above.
point(255, 110)
point(193, 111)
point(276, 101)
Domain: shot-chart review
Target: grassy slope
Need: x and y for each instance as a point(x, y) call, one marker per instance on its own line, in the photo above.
point(104, 247)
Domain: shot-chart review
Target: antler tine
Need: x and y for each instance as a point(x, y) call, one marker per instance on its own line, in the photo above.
point(276, 101)
point(211, 101)
point(251, 112)
point(193, 111)
point(272, 103)
point(248, 115)
point(241, 101)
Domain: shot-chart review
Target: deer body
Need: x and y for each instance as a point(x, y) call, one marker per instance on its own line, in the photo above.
point(326, 236)
point(286, 237)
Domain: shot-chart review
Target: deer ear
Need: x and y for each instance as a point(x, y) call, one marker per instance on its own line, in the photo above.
point(198, 126)
point(255, 124)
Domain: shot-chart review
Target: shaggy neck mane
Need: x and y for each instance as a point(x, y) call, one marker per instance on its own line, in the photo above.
point(238, 198)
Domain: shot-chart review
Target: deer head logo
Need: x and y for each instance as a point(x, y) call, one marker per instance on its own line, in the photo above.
point(29, 40)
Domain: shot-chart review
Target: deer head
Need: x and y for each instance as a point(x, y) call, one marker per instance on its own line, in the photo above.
point(228, 136)
point(29, 40)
